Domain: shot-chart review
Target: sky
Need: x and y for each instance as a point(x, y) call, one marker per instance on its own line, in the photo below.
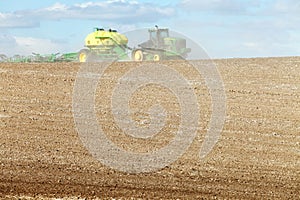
point(224, 28)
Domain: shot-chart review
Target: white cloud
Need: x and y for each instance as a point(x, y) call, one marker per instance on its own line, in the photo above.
point(27, 45)
point(13, 20)
point(246, 28)
point(120, 11)
point(57, 7)
point(287, 6)
point(30, 44)
point(251, 45)
point(219, 6)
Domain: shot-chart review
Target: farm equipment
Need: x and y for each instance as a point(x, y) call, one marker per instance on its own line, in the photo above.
point(36, 58)
point(160, 46)
point(3, 58)
point(104, 45)
point(18, 59)
point(43, 58)
point(109, 45)
point(67, 57)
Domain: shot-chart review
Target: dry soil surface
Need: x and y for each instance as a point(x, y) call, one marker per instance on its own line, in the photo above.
point(256, 157)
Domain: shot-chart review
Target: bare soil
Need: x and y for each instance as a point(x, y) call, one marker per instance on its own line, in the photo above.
point(256, 157)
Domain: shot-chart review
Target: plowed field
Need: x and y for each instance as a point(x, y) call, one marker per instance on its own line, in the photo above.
point(257, 155)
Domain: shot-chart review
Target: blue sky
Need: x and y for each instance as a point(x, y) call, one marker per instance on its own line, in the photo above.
point(225, 28)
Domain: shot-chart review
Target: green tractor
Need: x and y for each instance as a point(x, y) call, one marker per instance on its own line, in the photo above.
point(161, 46)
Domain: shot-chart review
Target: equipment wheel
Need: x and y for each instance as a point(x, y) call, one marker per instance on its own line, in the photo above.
point(156, 57)
point(83, 55)
point(137, 55)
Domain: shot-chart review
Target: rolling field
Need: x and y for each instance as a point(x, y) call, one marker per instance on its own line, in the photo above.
point(257, 155)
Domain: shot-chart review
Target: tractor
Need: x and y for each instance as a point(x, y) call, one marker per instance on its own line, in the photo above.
point(104, 45)
point(160, 46)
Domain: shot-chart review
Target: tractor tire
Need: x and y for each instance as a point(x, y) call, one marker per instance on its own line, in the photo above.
point(83, 55)
point(137, 55)
point(156, 57)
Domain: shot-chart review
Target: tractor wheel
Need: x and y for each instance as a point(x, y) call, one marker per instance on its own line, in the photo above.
point(83, 55)
point(156, 57)
point(137, 55)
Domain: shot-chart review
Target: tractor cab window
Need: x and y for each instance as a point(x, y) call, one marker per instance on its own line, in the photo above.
point(164, 34)
point(153, 35)
point(158, 34)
